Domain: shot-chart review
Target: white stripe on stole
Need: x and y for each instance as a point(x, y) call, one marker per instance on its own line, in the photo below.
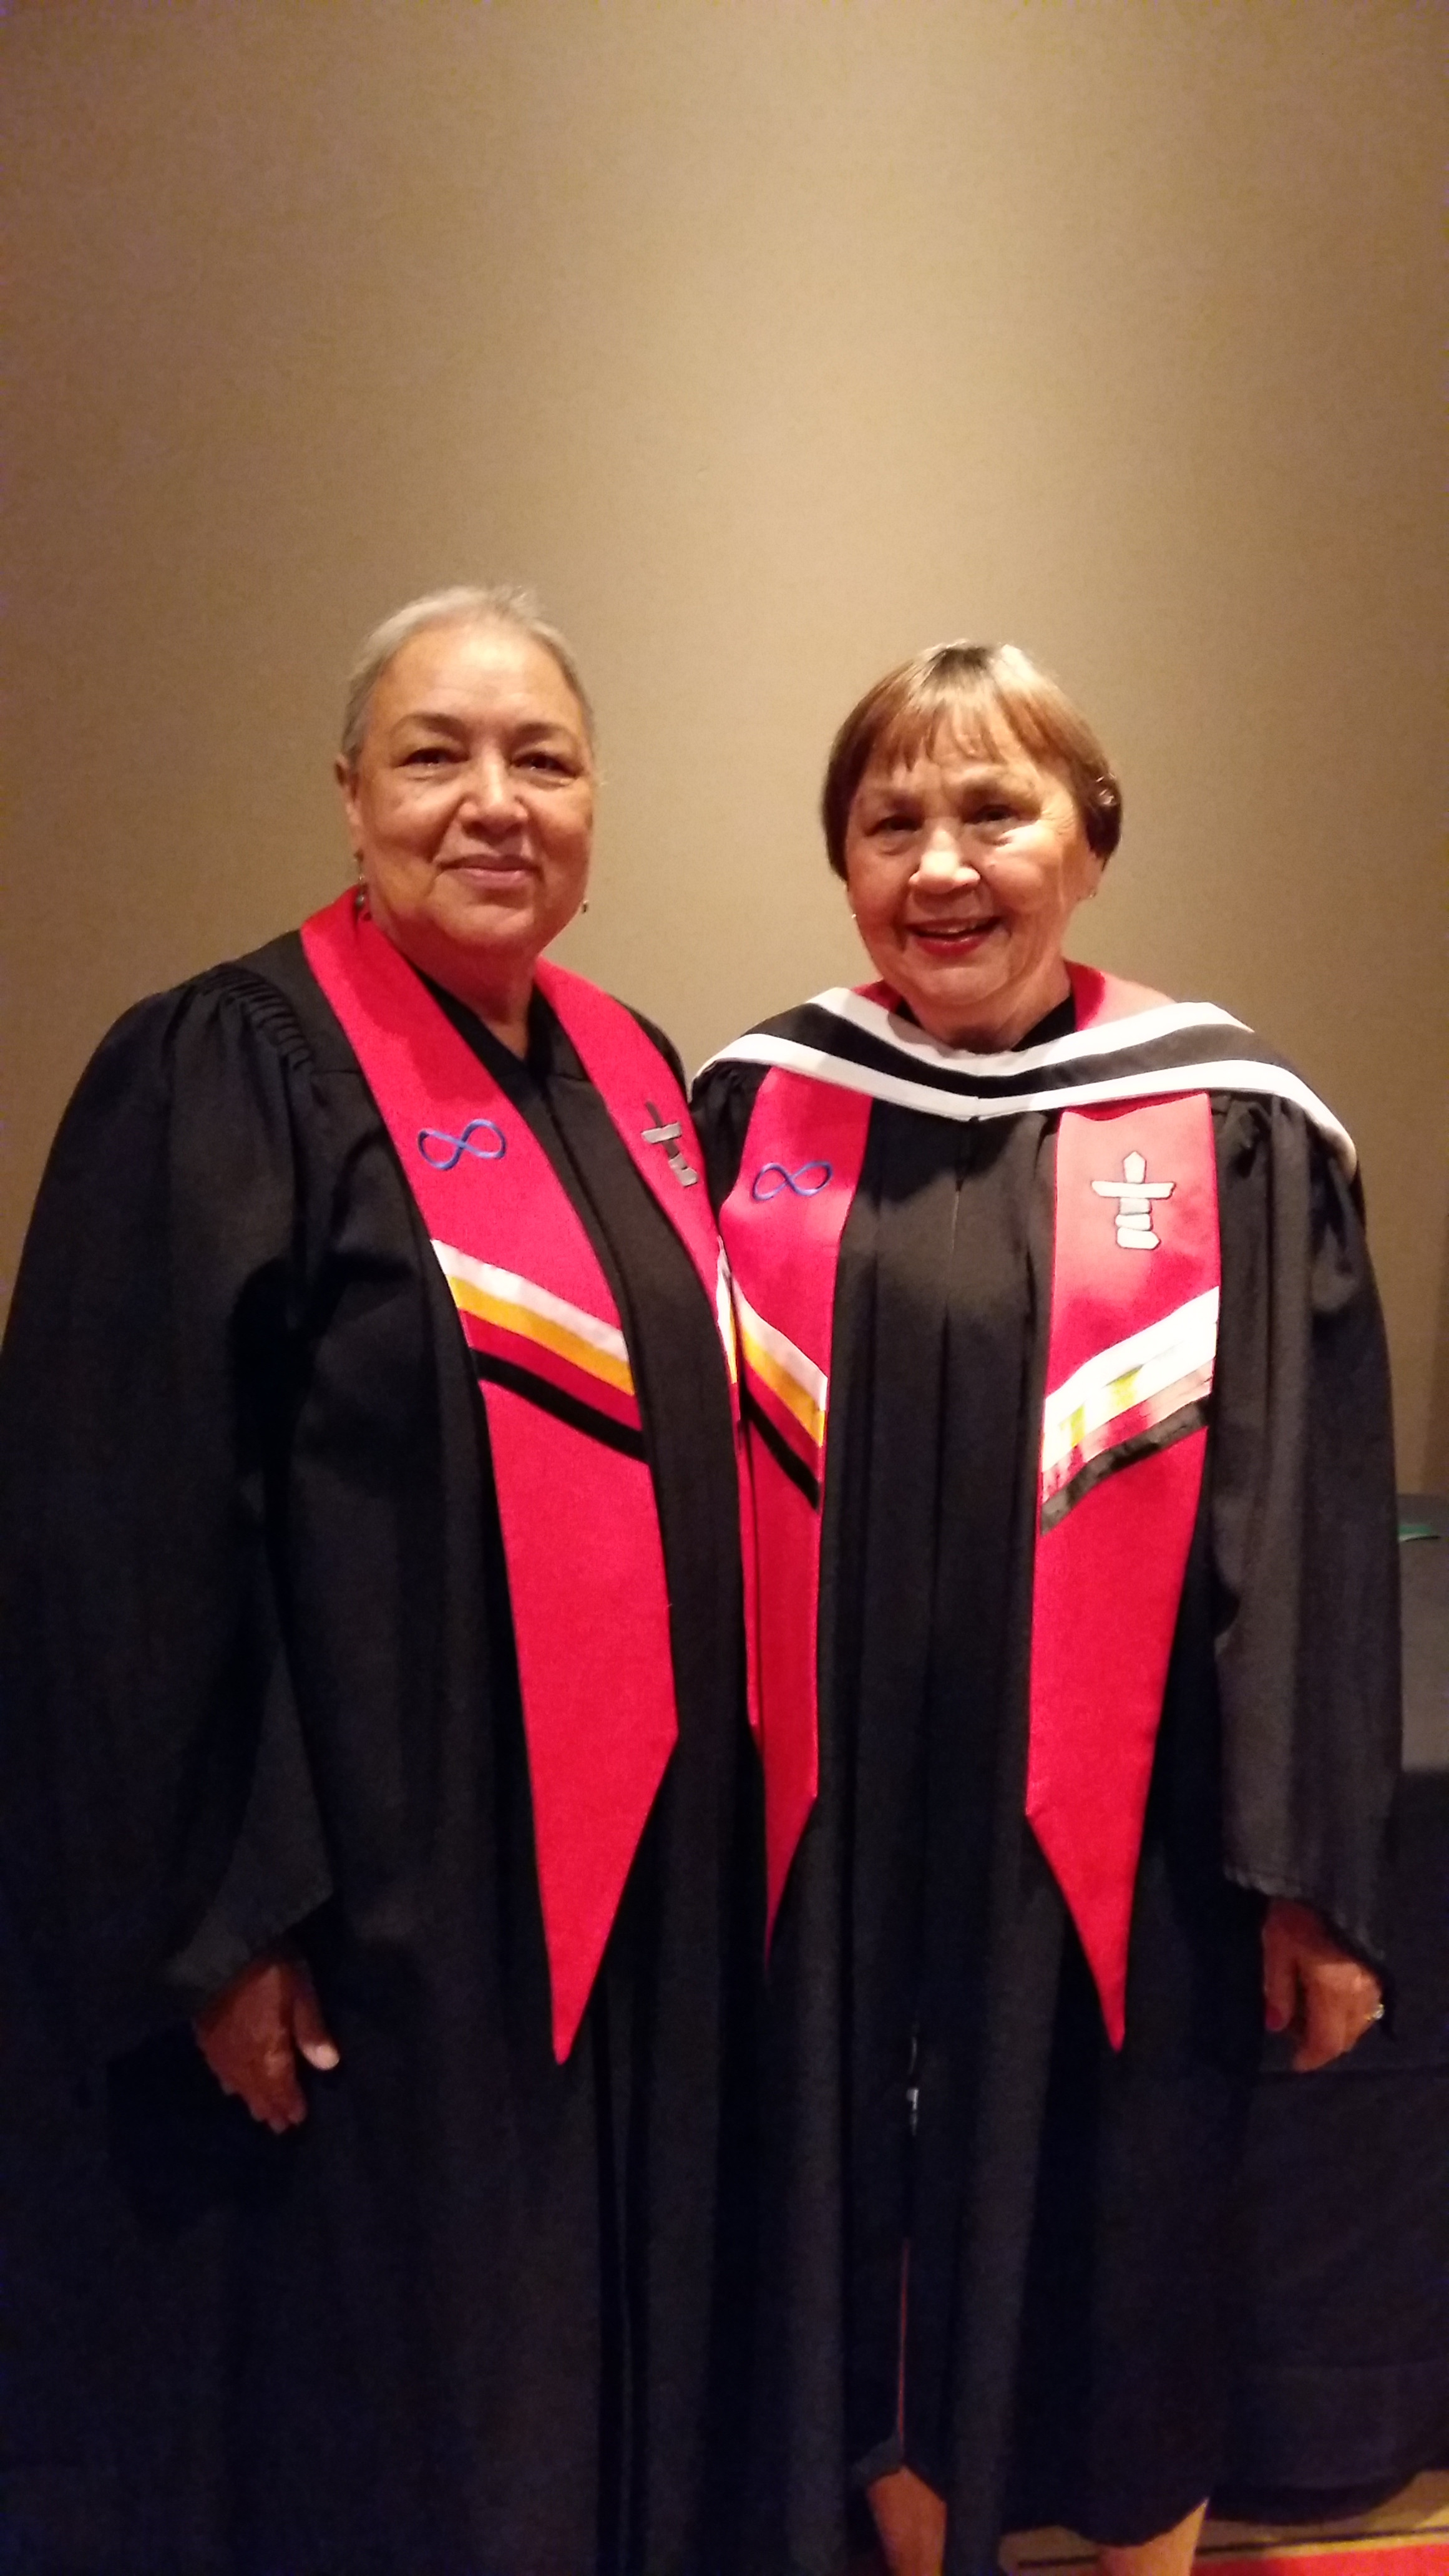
point(775, 1356)
point(508, 1289)
point(1179, 1347)
point(724, 1314)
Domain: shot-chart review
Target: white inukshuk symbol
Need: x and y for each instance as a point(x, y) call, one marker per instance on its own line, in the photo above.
point(1134, 1195)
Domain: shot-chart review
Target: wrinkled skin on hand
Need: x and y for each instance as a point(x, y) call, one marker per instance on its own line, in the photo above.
point(1313, 1987)
point(253, 2033)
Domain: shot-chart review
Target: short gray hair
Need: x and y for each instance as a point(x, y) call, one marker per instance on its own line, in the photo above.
point(493, 604)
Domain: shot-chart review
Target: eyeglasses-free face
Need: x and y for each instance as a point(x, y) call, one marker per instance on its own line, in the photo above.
point(963, 871)
point(471, 805)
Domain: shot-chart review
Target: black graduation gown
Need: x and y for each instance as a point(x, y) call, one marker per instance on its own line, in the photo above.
point(936, 2072)
point(259, 1680)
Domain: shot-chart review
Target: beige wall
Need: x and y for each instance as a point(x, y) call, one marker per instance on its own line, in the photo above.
point(771, 340)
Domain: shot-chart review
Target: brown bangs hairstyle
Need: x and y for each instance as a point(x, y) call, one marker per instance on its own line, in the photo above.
point(993, 700)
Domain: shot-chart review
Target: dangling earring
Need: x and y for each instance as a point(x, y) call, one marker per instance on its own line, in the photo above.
point(583, 907)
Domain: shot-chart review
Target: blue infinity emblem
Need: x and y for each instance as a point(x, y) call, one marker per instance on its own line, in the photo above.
point(804, 1181)
point(457, 1146)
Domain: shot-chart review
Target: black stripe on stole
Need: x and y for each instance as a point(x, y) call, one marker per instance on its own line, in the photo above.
point(779, 1447)
point(1143, 1444)
point(564, 1408)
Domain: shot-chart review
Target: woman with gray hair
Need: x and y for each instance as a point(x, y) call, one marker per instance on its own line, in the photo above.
point(1072, 1475)
point(371, 1774)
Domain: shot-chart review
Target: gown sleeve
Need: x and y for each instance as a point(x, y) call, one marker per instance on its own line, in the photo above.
point(722, 1102)
point(1304, 1529)
point(157, 1823)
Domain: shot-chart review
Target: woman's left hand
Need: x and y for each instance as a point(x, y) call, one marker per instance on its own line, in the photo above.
point(1314, 1987)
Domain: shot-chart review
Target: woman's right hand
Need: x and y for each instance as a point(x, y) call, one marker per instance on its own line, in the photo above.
point(252, 2034)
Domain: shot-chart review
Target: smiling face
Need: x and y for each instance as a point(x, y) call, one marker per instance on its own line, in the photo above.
point(964, 864)
point(470, 808)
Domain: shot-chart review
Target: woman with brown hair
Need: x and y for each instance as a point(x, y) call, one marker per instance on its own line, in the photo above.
point(1068, 1419)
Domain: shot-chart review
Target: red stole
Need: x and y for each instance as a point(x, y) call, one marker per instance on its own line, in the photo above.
point(1129, 1369)
point(575, 1498)
point(782, 1225)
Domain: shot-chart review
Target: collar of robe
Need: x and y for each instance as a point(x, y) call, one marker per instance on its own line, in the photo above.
point(1129, 1043)
point(550, 1352)
point(1129, 1371)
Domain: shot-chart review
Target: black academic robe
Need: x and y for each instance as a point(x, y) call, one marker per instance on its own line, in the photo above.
point(949, 2139)
point(259, 1681)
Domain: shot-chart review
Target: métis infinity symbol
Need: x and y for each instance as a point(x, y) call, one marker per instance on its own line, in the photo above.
point(457, 1146)
point(805, 1180)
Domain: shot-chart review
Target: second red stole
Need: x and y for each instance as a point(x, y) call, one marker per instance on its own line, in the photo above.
point(1135, 1275)
point(585, 1563)
point(1129, 1370)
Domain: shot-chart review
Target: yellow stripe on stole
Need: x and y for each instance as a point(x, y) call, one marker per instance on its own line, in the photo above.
point(801, 1387)
point(520, 1306)
point(1179, 1347)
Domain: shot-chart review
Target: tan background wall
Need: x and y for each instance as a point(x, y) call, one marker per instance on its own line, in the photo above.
point(771, 340)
